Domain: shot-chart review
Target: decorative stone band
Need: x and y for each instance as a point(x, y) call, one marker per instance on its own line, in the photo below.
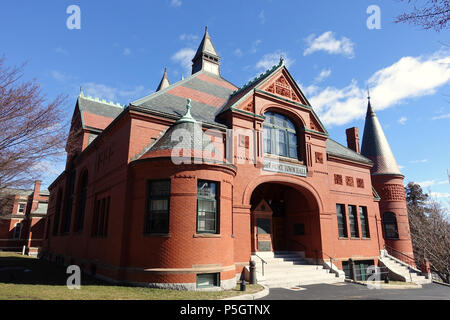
point(393, 192)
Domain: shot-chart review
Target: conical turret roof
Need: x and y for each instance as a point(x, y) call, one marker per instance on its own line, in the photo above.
point(376, 147)
point(164, 81)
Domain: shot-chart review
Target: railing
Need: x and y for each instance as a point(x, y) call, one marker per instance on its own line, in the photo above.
point(408, 260)
point(401, 256)
point(262, 263)
point(316, 251)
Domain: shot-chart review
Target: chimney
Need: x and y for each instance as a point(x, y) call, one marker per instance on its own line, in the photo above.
point(353, 139)
point(36, 191)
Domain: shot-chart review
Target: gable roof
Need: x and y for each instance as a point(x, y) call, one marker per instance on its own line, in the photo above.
point(96, 113)
point(208, 93)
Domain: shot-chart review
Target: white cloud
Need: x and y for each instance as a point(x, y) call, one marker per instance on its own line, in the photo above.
point(271, 59)
point(427, 183)
point(255, 45)
point(184, 58)
point(328, 43)
point(402, 120)
point(102, 91)
point(262, 17)
point(188, 37)
point(325, 73)
point(419, 161)
point(126, 51)
point(175, 3)
point(59, 76)
point(443, 116)
point(238, 52)
point(410, 77)
point(61, 50)
point(440, 194)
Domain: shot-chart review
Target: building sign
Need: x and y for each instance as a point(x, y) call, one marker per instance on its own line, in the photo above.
point(288, 168)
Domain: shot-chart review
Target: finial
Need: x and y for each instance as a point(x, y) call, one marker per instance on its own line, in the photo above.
point(182, 77)
point(81, 91)
point(368, 93)
point(187, 117)
point(281, 60)
point(206, 29)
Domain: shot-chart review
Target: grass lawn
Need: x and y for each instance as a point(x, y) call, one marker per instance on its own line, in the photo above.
point(27, 278)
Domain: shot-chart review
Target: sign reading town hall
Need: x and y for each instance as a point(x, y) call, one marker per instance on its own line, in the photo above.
point(288, 168)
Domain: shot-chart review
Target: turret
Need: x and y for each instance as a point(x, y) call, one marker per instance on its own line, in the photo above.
point(206, 57)
point(388, 182)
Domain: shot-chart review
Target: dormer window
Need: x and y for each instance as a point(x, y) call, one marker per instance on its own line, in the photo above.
point(280, 136)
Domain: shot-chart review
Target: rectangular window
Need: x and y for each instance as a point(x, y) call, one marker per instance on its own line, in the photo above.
point(267, 136)
point(282, 143)
point(157, 217)
point(364, 222)
point(342, 221)
point(100, 218)
point(353, 221)
point(207, 207)
point(21, 208)
point(207, 280)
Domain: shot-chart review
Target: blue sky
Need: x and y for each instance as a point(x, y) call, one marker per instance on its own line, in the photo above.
point(122, 48)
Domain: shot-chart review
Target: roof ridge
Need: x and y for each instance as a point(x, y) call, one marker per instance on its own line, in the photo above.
point(260, 77)
point(110, 103)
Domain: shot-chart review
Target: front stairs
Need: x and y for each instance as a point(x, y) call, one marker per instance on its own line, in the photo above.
point(399, 270)
point(290, 269)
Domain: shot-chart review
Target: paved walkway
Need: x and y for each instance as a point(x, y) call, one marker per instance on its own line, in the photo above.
point(351, 291)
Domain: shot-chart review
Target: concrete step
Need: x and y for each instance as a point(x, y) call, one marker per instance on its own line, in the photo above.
point(299, 282)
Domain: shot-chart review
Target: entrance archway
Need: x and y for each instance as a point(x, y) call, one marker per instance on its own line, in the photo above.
point(284, 218)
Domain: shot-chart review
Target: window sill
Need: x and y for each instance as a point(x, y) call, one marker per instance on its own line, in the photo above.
point(206, 235)
point(161, 235)
point(364, 238)
point(343, 238)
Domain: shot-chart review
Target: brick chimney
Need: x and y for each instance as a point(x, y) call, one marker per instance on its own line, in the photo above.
point(353, 139)
point(36, 191)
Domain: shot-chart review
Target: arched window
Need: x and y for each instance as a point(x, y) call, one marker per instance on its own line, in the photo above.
point(81, 205)
point(17, 230)
point(280, 136)
point(390, 225)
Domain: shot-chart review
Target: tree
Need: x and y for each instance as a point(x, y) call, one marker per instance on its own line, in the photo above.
point(434, 14)
point(31, 129)
point(430, 230)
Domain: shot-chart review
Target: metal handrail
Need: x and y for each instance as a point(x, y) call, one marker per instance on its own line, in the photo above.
point(331, 258)
point(402, 255)
point(262, 263)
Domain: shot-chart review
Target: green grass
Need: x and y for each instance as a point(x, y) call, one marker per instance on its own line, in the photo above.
point(46, 281)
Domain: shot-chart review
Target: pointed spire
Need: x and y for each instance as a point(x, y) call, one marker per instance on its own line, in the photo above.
point(206, 57)
point(164, 81)
point(187, 116)
point(375, 145)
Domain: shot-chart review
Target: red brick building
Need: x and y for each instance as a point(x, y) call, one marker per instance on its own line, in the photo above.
point(180, 188)
point(22, 219)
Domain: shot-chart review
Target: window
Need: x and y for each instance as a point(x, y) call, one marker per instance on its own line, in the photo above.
point(21, 208)
point(65, 226)
point(157, 216)
point(364, 222)
point(81, 202)
point(57, 213)
point(390, 225)
point(17, 230)
point(342, 221)
point(279, 135)
point(100, 219)
point(207, 280)
point(207, 207)
point(353, 221)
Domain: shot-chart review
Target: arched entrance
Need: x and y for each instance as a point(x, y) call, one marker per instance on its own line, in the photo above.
point(284, 218)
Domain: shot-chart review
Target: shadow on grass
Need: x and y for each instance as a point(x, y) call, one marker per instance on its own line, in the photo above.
point(15, 269)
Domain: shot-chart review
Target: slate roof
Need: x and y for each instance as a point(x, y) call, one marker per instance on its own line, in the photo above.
point(338, 150)
point(208, 92)
point(376, 147)
point(103, 112)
